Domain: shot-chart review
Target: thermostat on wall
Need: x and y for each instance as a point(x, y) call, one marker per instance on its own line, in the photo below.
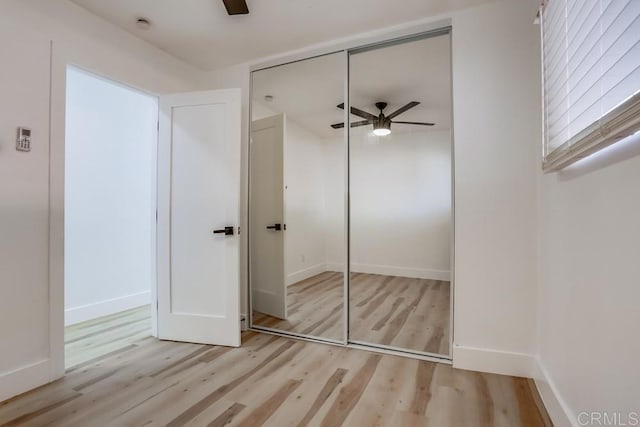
point(23, 142)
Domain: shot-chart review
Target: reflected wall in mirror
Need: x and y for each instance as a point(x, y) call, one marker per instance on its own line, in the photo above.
point(400, 196)
point(296, 198)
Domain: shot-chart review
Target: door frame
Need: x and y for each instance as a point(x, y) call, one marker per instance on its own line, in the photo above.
point(57, 145)
point(346, 47)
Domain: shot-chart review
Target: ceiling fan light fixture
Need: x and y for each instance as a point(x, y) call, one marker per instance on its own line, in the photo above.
point(381, 132)
point(382, 127)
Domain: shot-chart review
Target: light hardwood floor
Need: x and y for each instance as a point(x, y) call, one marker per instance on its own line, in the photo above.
point(88, 340)
point(401, 312)
point(271, 381)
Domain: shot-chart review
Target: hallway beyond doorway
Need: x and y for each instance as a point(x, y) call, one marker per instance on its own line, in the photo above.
point(98, 337)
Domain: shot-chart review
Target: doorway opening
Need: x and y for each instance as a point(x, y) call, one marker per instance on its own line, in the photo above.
point(110, 216)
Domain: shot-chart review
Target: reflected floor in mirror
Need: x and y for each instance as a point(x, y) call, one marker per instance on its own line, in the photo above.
point(406, 313)
point(314, 307)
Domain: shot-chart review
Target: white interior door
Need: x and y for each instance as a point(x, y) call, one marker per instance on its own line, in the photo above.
point(267, 226)
point(198, 196)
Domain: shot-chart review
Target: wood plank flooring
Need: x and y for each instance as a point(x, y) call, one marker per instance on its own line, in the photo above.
point(271, 381)
point(401, 312)
point(88, 340)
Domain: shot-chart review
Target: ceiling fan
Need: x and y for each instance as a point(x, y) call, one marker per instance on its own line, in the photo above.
point(381, 123)
point(236, 7)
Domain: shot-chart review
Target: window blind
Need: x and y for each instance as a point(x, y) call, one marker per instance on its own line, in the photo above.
point(591, 70)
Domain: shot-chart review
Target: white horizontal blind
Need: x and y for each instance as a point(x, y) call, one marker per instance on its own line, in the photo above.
point(591, 67)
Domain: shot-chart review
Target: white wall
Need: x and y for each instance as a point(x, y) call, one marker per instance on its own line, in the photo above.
point(497, 134)
point(496, 74)
point(588, 311)
point(304, 174)
point(24, 220)
point(334, 155)
point(401, 204)
point(29, 260)
point(110, 197)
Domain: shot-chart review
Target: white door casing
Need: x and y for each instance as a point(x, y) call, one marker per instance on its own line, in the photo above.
point(267, 248)
point(199, 192)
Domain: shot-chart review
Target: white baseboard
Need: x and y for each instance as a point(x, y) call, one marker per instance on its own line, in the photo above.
point(306, 273)
point(337, 267)
point(21, 380)
point(104, 308)
point(557, 408)
point(389, 270)
point(493, 361)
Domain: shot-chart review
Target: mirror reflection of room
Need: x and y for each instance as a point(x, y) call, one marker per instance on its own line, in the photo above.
point(297, 180)
point(400, 196)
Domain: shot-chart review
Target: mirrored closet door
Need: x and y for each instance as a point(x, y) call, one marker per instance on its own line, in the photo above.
point(296, 198)
point(400, 196)
point(388, 181)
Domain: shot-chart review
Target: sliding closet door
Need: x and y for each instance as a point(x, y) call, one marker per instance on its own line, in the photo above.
point(401, 196)
point(296, 201)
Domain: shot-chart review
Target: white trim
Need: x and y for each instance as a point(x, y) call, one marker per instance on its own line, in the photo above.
point(21, 380)
point(57, 123)
point(61, 58)
point(556, 406)
point(387, 270)
point(305, 273)
point(336, 267)
point(493, 361)
point(390, 270)
point(104, 308)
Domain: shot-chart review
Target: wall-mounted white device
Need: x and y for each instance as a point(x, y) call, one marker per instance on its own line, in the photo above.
point(23, 143)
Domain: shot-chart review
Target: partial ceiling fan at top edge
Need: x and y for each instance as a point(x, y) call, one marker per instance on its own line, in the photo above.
point(236, 7)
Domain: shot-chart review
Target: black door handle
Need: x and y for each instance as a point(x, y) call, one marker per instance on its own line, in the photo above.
point(276, 227)
point(228, 231)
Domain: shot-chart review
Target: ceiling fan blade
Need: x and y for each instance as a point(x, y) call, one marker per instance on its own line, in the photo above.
point(362, 123)
point(415, 123)
point(353, 124)
point(360, 113)
point(236, 7)
point(403, 109)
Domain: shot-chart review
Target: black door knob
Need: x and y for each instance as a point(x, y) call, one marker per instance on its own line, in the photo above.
point(276, 227)
point(227, 231)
